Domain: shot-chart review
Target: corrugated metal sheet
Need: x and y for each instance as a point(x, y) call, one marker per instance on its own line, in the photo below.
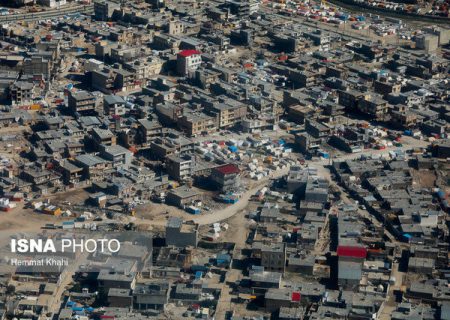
point(296, 296)
point(352, 252)
point(188, 53)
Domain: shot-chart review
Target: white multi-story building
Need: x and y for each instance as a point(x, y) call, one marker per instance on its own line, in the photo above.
point(188, 60)
point(52, 3)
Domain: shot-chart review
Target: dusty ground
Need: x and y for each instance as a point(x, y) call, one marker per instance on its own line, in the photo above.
point(238, 229)
point(153, 216)
point(76, 197)
point(22, 220)
point(158, 213)
point(423, 178)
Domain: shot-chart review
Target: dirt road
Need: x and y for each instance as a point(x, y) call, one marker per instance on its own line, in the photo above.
point(225, 213)
point(390, 305)
point(229, 211)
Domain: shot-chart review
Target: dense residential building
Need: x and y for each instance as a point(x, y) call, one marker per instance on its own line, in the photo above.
point(22, 93)
point(188, 60)
point(226, 177)
point(273, 257)
point(82, 102)
point(246, 159)
point(197, 123)
point(104, 10)
point(180, 168)
point(181, 234)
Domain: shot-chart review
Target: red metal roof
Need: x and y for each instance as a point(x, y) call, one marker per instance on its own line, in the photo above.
point(188, 53)
point(228, 169)
point(352, 252)
point(296, 296)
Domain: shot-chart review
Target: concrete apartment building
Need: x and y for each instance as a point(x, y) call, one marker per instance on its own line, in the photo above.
point(21, 92)
point(195, 123)
point(82, 102)
point(104, 9)
point(181, 234)
point(188, 60)
point(273, 257)
point(180, 167)
point(226, 177)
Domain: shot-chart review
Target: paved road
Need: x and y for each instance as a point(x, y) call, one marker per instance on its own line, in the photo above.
point(346, 29)
point(410, 18)
point(48, 14)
